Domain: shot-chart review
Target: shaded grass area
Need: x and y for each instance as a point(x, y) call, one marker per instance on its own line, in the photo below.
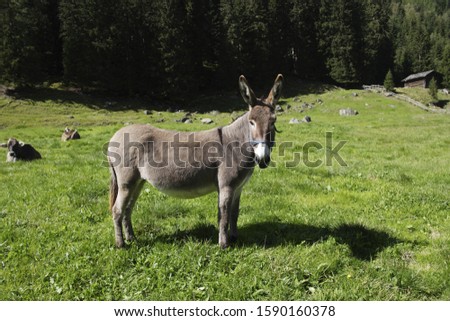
point(363, 243)
point(375, 229)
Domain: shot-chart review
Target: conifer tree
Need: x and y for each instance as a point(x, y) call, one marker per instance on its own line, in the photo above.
point(389, 81)
point(177, 59)
point(306, 59)
point(376, 51)
point(433, 90)
point(26, 42)
point(339, 42)
point(246, 32)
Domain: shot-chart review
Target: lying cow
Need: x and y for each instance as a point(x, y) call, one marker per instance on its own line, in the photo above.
point(70, 134)
point(20, 151)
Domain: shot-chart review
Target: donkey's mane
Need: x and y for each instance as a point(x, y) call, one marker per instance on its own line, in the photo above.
point(240, 116)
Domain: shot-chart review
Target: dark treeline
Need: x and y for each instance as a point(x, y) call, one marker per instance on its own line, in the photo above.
point(178, 47)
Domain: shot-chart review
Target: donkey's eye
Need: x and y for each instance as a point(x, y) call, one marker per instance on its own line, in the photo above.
point(252, 123)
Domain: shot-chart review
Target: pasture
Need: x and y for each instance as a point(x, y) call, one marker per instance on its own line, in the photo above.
point(376, 229)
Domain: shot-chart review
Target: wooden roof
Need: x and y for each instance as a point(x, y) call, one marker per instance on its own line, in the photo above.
point(419, 75)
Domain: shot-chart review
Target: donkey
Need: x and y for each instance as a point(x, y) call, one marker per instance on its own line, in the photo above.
point(192, 164)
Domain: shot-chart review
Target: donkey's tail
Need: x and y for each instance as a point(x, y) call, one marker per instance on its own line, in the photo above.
point(113, 187)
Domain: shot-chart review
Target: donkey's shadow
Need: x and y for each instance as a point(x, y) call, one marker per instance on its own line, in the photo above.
point(364, 243)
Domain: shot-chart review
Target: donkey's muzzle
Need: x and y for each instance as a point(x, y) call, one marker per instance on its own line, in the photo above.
point(262, 153)
point(264, 163)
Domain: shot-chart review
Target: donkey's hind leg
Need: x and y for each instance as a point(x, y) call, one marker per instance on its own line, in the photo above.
point(124, 196)
point(127, 225)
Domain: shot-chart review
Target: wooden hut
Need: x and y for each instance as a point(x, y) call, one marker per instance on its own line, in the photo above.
point(421, 79)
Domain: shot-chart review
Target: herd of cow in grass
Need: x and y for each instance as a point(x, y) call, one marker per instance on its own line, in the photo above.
point(20, 151)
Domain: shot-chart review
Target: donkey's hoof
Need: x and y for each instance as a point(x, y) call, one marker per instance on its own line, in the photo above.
point(120, 244)
point(233, 239)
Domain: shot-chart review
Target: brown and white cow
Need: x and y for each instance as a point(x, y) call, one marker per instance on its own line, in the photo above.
point(18, 150)
point(70, 134)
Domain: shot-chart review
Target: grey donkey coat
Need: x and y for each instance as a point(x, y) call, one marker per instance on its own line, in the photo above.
point(192, 164)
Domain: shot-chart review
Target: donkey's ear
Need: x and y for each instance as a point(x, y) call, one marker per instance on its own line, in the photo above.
point(246, 92)
point(275, 92)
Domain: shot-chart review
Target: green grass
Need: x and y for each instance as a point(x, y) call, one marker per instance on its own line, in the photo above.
point(423, 95)
point(376, 229)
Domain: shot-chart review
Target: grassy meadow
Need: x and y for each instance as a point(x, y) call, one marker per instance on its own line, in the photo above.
point(375, 229)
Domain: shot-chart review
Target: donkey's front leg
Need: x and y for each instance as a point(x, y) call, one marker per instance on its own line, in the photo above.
point(234, 217)
point(225, 206)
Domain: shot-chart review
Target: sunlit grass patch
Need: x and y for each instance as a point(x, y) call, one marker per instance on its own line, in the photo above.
point(375, 228)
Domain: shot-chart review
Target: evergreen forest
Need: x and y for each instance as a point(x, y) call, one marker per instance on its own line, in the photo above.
point(179, 48)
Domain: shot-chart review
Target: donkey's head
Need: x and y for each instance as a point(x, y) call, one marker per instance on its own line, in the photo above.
point(261, 119)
